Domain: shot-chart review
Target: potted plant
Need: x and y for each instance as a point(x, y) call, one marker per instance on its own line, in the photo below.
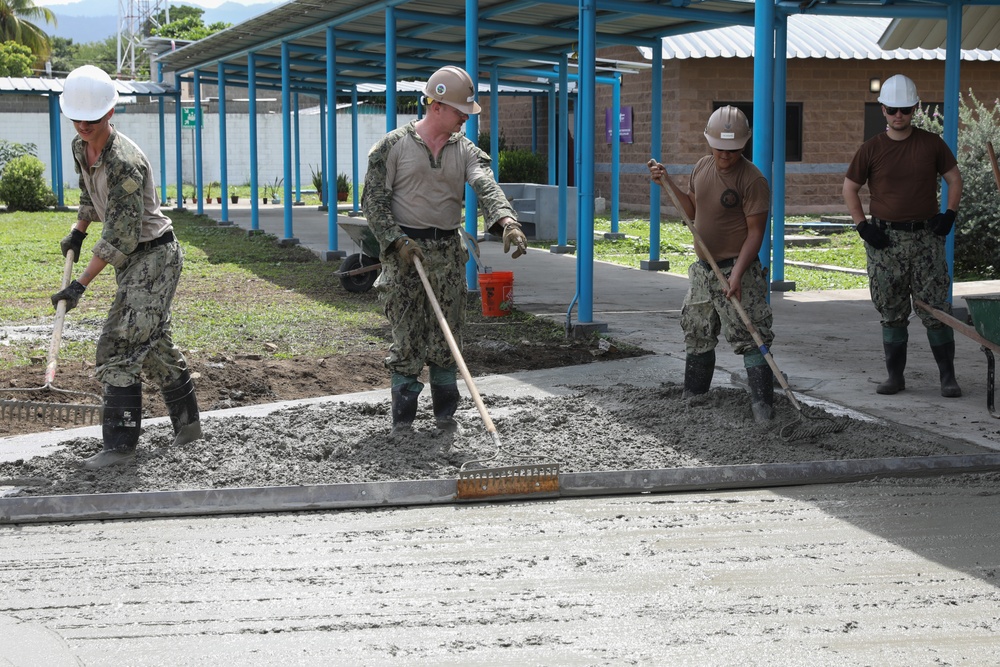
point(208, 191)
point(317, 180)
point(343, 186)
point(276, 190)
point(233, 196)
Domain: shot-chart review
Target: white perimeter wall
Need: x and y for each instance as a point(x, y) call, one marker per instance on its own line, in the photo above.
point(143, 128)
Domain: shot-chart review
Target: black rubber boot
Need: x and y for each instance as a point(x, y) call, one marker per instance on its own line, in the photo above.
point(122, 426)
point(445, 399)
point(895, 363)
point(182, 406)
point(944, 355)
point(761, 382)
point(404, 408)
point(698, 372)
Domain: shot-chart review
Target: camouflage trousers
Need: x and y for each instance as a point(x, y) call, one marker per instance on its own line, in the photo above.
point(913, 264)
point(417, 338)
point(136, 337)
point(707, 312)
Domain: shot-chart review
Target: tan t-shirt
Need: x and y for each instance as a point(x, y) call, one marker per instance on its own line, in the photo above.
point(902, 175)
point(723, 202)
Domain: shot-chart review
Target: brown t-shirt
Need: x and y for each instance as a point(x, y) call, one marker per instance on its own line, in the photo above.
point(723, 202)
point(902, 176)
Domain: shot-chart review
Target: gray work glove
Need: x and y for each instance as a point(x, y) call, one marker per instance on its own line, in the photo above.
point(71, 295)
point(942, 222)
point(873, 236)
point(512, 234)
point(73, 241)
point(407, 249)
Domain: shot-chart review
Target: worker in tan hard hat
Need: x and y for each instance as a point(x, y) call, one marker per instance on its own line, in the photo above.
point(906, 231)
point(414, 200)
point(728, 200)
point(137, 239)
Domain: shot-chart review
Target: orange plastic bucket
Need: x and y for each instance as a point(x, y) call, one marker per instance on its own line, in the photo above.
point(497, 290)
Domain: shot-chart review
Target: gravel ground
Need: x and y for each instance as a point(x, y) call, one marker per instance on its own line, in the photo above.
point(591, 429)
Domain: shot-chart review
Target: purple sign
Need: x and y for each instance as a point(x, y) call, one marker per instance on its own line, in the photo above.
point(624, 126)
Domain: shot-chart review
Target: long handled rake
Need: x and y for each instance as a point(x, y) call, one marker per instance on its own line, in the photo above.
point(507, 480)
point(46, 412)
point(794, 430)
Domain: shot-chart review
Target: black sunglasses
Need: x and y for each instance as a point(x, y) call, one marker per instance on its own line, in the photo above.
point(92, 122)
point(892, 110)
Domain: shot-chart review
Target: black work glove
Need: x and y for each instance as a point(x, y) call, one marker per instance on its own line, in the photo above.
point(71, 295)
point(942, 222)
point(873, 236)
point(73, 241)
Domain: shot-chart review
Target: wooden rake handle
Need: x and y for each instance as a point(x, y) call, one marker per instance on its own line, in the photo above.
point(725, 285)
point(57, 329)
point(457, 353)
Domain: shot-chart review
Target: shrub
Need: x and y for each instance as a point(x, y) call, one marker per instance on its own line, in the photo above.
point(484, 142)
point(22, 187)
point(10, 150)
point(977, 230)
point(522, 166)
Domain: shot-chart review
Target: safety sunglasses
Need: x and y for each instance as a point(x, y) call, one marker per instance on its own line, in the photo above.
point(92, 122)
point(892, 110)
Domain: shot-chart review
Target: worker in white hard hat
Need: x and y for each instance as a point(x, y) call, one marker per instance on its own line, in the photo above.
point(137, 239)
point(905, 231)
point(728, 200)
point(414, 200)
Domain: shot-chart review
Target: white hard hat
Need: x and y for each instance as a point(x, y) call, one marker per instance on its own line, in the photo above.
point(88, 94)
point(898, 91)
point(453, 86)
point(727, 129)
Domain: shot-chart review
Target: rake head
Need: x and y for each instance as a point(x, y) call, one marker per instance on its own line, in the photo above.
point(53, 414)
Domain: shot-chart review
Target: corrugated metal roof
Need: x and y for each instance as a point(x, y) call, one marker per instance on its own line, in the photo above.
point(17, 84)
point(810, 36)
point(980, 31)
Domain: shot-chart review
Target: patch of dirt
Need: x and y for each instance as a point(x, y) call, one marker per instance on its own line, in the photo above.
point(492, 346)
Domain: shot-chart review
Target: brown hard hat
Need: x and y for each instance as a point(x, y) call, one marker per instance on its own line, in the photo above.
point(453, 86)
point(727, 129)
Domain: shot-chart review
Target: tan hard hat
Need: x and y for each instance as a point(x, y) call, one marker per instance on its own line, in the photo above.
point(88, 94)
point(898, 91)
point(453, 86)
point(727, 129)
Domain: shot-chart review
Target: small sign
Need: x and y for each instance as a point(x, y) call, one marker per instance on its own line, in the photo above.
point(188, 118)
point(624, 125)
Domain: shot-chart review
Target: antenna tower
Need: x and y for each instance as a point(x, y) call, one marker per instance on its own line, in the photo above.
point(135, 19)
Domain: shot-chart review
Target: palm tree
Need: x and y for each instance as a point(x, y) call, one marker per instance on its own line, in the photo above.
point(16, 25)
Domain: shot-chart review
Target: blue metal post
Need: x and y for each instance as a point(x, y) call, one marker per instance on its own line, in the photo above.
point(472, 131)
point(355, 168)
point(763, 103)
point(778, 192)
point(585, 174)
point(252, 112)
point(223, 153)
point(656, 152)
point(953, 101)
point(330, 173)
point(616, 148)
point(563, 142)
point(494, 122)
point(55, 147)
point(321, 193)
point(286, 137)
point(390, 68)
point(178, 136)
point(552, 160)
point(163, 137)
point(198, 125)
point(298, 146)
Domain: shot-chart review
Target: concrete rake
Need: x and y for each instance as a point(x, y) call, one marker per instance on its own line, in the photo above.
point(56, 414)
point(488, 482)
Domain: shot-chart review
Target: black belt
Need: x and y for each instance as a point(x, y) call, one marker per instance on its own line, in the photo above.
point(149, 245)
point(904, 226)
point(428, 233)
point(724, 264)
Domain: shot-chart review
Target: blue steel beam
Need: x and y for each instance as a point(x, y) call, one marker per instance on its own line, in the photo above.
point(585, 174)
point(286, 144)
point(777, 237)
point(223, 153)
point(252, 138)
point(472, 130)
point(763, 107)
point(198, 125)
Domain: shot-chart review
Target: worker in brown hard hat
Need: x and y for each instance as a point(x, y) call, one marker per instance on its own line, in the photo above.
point(728, 200)
point(414, 200)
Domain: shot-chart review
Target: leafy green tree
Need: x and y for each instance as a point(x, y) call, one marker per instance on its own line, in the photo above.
point(15, 59)
point(177, 13)
point(17, 24)
point(190, 28)
point(977, 230)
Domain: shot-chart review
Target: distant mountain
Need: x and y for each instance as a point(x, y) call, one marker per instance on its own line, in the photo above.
point(95, 20)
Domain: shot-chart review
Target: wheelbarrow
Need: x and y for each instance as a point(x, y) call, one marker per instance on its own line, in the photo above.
point(985, 330)
point(358, 272)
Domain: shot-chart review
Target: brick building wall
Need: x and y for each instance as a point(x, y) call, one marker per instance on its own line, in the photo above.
point(833, 94)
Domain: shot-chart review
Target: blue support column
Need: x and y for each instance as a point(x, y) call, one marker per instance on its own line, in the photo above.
point(223, 153)
point(472, 131)
point(778, 282)
point(952, 102)
point(252, 112)
point(198, 125)
point(551, 152)
point(163, 137)
point(390, 69)
point(330, 173)
point(494, 122)
point(323, 148)
point(55, 148)
point(286, 142)
point(562, 146)
point(355, 167)
point(656, 152)
point(178, 136)
point(763, 105)
point(616, 150)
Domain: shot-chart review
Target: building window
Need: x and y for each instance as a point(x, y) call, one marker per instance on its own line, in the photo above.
point(793, 128)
